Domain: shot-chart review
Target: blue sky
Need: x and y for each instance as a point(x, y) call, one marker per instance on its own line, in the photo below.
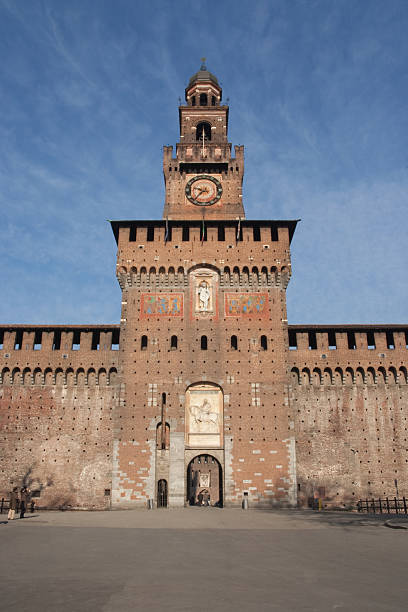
point(318, 95)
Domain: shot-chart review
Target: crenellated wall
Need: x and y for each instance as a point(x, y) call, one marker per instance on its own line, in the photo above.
point(60, 396)
point(349, 393)
point(58, 391)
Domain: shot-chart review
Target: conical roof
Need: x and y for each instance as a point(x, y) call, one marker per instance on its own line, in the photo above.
point(203, 75)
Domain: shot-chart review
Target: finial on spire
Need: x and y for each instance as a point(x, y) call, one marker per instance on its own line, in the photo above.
point(203, 66)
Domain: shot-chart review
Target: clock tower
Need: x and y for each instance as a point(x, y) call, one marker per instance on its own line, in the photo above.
point(203, 411)
point(203, 180)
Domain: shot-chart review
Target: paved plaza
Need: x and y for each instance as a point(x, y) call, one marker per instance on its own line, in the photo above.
point(202, 559)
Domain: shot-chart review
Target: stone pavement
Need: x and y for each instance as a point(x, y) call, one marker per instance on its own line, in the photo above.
point(202, 559)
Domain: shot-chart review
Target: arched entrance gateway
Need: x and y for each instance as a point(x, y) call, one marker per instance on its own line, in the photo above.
point(204, 444)
point(204, 482)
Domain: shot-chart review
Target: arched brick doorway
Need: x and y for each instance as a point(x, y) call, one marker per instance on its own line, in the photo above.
point(204, 481)
point(162, 493)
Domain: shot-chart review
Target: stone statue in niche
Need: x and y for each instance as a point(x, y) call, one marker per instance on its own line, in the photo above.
point(204, 290)
point(203, 296)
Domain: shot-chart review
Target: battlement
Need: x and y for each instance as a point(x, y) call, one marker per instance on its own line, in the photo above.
point(169, 250)
point(39, 352)
point(348, 348)
point(358, 338)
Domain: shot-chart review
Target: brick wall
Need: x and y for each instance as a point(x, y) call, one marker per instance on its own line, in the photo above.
point(57, 402)
point(350, 396)
point(258, 444)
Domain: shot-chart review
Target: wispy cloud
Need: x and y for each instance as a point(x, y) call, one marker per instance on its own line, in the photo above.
point(89, 95)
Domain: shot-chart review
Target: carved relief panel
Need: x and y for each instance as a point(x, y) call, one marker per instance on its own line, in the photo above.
point(204, 416)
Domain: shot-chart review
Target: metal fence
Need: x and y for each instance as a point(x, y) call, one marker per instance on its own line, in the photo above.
point(5, 505)
point(389, 505)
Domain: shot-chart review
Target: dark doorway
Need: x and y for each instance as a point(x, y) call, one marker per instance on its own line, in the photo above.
point(204, 482)
point(162, 494)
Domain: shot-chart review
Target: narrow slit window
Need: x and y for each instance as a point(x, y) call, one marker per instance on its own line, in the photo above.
point(351, 340)
point(370, 341)
point(234, 343)
point(257, 234)
point(332, 340)
point(221, 233)
point(186, 233)
point(37, 340)
point(56, 343)
point(18, 342)
point(143, 343)
point(292, 341)
point(204, 343)
point(264, 343)
point(173, 343)
point(95, 340)
point(76, 341)
point(115, 340)
point(390, 340)
point(132, 233)
point(312, 341)
point(1, 339)
point(150, 233)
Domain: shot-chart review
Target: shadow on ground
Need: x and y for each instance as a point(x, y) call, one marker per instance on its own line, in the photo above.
point(342, 518)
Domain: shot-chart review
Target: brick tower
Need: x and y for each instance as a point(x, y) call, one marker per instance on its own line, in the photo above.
point(203, 415)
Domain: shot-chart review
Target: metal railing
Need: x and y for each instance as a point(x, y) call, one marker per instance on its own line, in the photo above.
point(5, 505)
point(388, 505)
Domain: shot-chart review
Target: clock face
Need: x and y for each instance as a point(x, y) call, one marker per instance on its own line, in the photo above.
point(203, 190)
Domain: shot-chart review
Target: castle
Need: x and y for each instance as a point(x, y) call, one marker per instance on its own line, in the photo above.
point(203, 390)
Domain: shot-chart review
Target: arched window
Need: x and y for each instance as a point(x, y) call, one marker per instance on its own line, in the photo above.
point(143, 343)
point(162, 493)
point(193, 101)
point(203, 343)
point(264, 343)
point(205, 127)
point(234, 343)
point(203, 99)
point(212, 100)
point(173, 343)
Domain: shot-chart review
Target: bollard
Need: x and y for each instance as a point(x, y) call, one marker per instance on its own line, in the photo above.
point(150, 504)
point(245, 502)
